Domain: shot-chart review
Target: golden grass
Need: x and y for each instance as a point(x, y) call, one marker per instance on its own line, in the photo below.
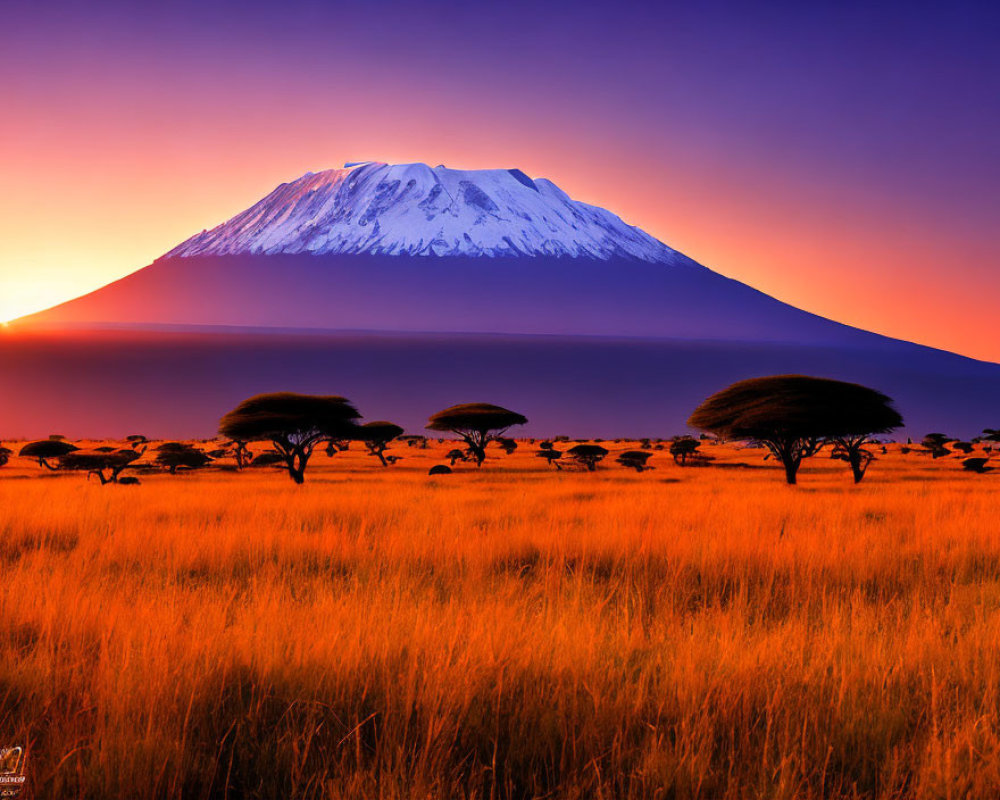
point(512, 632)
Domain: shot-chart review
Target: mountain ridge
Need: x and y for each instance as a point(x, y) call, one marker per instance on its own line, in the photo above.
point(413, 209)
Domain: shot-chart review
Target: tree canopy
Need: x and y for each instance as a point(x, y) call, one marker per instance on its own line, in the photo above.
point(477, 423)
point(376, 436)
point(46, 449)
point(634, 459)
point(589, 455)
point(99, 462)
point(293, 423)
point(179, 455)
point(795, 415)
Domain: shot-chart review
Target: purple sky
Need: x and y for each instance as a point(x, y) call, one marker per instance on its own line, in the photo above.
point(842, 157)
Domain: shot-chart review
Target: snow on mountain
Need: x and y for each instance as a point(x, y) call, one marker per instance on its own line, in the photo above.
point(413, 209)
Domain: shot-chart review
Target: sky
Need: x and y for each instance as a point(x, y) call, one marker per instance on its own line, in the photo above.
point(842, 157)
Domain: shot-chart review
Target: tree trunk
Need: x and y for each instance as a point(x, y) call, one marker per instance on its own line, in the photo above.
point(479, 453)
point(857, 465)
point(296, 463)
point(791, 469)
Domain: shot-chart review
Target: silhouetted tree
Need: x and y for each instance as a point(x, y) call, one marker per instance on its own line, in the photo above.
point(376, 437)
point(340, 444)
point(551, 455)
point(241, 452)
point(634, 459)
point(976, 465)
point(589, 455)
point(477, 423)
point(5, 454)
point(683, 449)
point(793, 416)
point(46, 450)
point(456, 455)
point(180, 455)
point(293, 423)
point(439, 469)
point(98, 463)
point(935, 444)
point(137, 442)
point(507, 445)
point(962, 447)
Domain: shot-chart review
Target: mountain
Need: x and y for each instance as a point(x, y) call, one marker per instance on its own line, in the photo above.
point(410, 248)
point(411, 209)
point(407, 288)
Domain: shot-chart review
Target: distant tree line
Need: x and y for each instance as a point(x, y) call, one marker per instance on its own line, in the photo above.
point(793, 416)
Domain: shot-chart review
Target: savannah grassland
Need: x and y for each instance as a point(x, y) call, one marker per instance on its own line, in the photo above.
point(509, 632)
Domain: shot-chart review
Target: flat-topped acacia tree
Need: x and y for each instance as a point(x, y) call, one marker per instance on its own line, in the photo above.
point(376, 437)
point(180, 455)
point(293, 423)
point(794, 416)
point(107, 466)
point(46, 450)
point(477, 423)
point(589, 455)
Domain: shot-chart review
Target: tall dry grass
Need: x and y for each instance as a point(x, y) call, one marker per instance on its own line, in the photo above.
point(508, 633)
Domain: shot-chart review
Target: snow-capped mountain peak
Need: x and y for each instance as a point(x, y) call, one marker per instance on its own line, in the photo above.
point(413, 209)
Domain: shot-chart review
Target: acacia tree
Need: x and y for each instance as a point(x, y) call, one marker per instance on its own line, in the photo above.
point(477, 423)
point(507, 445)
point(137, 442)
point(96, 462)
point(794, 416)
point(990, 435)
point(46, 450)
point(935, 444)
point(176, 455)
point(590, 455)
point(376, 437)
point(551, 456)
point(456, 455)
point(683, 449)
point(241, 452)
point(293, 423)
point(634, 459)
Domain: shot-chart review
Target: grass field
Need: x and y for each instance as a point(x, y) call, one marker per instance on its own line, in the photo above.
point(511, 632)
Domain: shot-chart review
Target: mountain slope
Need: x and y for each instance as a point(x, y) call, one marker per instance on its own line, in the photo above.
point(411, 248)
point(337, 282)
point(178, 384)
point(539, 295)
